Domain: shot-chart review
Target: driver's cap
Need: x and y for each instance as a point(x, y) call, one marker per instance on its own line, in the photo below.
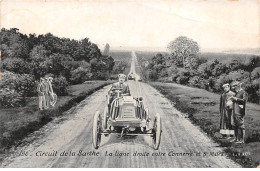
point(121, 76)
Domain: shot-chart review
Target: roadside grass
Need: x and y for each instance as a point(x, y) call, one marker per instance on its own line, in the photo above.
point(18, 122)
point(202, 107)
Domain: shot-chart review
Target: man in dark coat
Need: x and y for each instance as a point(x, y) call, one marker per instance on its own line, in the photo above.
point(46, 92)
point(41, 93)
point(225, 110)
point(239, 107)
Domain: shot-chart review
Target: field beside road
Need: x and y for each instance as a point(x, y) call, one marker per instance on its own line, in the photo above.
point(123, 57)
point(202, 107)
point(18, 122)
point(205, 55)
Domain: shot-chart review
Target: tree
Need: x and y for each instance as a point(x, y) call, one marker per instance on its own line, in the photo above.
point(106, 50)
point(183, 51)
point(37, 58)
point(250, 64)
point(16, 65)
point(119, 67)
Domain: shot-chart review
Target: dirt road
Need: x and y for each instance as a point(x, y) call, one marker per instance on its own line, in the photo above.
point(69, 144)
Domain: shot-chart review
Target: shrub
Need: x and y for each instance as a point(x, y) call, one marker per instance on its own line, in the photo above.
point(100, 75)
point(16, 65)
point(26, 85)
point(182, 79)
point(153, 75)
point(183, 75)
point(7, 78)
point(11, 98)
point(195, 81)
point(255, 73)
point(253, 90)
point(239, 75)
point(60, 85)
point(222, 79)
point(80, 75)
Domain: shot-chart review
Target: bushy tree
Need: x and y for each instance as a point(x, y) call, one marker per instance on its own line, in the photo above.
point(60, 85)
point(10, 98)
point(255, 73)
point(106, 50)
point(16, 65)
point(183, 51)
point(207, 69)
point(80, 75)
point(119, 67)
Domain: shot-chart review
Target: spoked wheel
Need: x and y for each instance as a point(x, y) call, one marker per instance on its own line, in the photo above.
point(157, 132)
point(105, 118)
point(97, 128)
point(147, 114)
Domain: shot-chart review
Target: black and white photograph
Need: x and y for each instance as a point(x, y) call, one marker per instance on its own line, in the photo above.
point(130, 84)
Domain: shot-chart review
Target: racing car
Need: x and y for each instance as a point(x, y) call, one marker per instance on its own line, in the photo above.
point(131, 76)
point(125, 116)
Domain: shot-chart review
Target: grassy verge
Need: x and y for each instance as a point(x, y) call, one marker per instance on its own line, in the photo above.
point(202, 107)
point(18, 122)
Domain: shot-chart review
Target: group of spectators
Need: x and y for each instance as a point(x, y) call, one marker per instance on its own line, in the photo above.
point(46, 95)
point(232, 112)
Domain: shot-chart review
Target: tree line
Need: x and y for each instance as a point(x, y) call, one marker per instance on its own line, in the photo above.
point(26, 58)
point(184, 66)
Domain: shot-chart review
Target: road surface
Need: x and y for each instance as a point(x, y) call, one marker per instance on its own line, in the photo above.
point(69, 143)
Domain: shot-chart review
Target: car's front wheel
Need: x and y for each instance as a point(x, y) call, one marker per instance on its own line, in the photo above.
point(157, 130)
point(96, 132)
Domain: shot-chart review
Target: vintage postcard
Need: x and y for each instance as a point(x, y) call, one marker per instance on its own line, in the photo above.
point(129, 84)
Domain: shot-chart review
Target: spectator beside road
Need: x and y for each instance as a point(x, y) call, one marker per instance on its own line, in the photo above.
point(225, 110)
point(41, 93)
point(239, 108)
point(46, 92)
point(51, 94)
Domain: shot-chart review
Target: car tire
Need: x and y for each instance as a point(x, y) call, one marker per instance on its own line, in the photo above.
point(96, 132)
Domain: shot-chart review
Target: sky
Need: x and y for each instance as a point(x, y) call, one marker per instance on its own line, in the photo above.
point(214, 24)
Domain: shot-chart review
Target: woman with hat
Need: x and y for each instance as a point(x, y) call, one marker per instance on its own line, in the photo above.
point(225, 110)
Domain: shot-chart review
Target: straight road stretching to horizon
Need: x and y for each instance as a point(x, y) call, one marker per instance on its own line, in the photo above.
point(69, 143)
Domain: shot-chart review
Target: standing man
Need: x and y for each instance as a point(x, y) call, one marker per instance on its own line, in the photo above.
point(239, 108)
point(225, 110)
point(46, 92)
point(52, 95)
point(40, 89)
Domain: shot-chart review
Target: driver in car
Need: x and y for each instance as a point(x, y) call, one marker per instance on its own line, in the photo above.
point(120, 85)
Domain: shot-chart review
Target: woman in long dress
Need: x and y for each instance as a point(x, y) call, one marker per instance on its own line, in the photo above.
point(226, 111)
